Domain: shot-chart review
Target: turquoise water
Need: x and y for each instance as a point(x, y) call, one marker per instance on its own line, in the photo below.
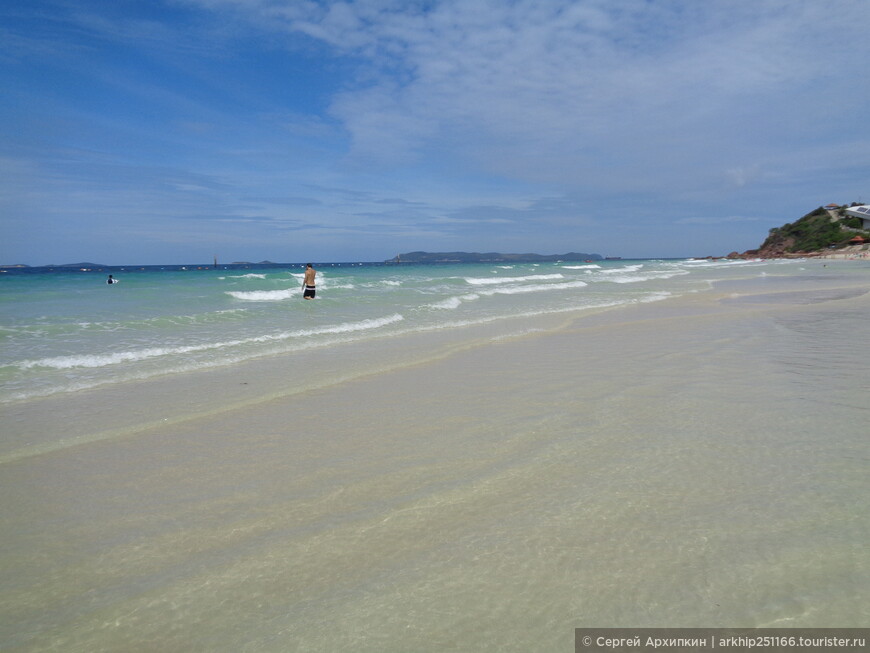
point(66, 330)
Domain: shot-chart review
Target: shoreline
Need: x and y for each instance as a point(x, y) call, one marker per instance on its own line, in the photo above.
point(655, 465)
point(93, 414)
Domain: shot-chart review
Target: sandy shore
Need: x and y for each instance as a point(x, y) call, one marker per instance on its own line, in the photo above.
point(663, 465)
point(851, 253)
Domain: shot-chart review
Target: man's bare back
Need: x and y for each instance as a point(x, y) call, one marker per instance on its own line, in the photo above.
point(308, 282)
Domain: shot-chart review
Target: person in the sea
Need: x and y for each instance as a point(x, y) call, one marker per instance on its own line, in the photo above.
point(308, 282)
point(110, 279)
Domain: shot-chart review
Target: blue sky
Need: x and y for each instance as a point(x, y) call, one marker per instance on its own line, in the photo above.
point(169, 131)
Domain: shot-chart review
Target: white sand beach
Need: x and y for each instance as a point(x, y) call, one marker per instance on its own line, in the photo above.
point(700, 461)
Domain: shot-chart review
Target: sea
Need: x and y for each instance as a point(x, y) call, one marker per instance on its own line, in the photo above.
point(430, 458)
point(66, 329)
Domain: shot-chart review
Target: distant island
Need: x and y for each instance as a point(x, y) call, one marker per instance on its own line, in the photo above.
point(54, 265)
point(85, 264)
point(88, 267)
point(81, 266)
point(489, 257)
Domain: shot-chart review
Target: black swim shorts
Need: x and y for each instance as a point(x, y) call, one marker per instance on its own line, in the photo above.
point(309, 292)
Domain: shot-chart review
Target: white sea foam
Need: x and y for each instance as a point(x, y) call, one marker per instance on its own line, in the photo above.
point(717, 263)
point(354, 326)
point(453, 302)
point(655, 297)
point(485, 281)
point(622, 270)
point(581, 267)
point(532, 313)
point(449, 303)
point(516, 290)
point(637, 278)
point(103, 360)
point(629, 279)
point(264, 295)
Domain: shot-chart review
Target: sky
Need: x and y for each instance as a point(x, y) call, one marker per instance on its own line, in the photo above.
point(172, 131)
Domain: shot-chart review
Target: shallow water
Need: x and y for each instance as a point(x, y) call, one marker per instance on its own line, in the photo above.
point(66, 330)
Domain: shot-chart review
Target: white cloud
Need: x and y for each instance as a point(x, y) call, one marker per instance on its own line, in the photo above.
point(558, 90)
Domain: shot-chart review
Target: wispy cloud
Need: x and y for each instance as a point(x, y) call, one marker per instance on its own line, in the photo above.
point(364, 125)
point(550, 90)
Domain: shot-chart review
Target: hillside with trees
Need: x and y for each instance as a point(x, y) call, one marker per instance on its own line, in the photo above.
point(819, 230)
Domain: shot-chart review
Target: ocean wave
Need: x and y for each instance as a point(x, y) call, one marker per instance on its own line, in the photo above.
point(440, 326)
point(516, 290)
point(447, 304)
point(485, 281)
point(627, 268)
point(453, 302)
point(581, 267)
point(264, 295)
point(103, 360)
point(646, 277)
point(655, 297)
point(347, 327)
point(694, 264)
point(285, 293)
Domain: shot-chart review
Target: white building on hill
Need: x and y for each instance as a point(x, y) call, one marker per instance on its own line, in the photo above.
point(862, 212)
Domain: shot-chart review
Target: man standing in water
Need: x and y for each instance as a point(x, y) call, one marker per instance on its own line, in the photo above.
point(308, 282)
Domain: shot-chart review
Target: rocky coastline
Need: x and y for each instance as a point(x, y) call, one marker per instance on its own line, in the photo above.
point(849, 252)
